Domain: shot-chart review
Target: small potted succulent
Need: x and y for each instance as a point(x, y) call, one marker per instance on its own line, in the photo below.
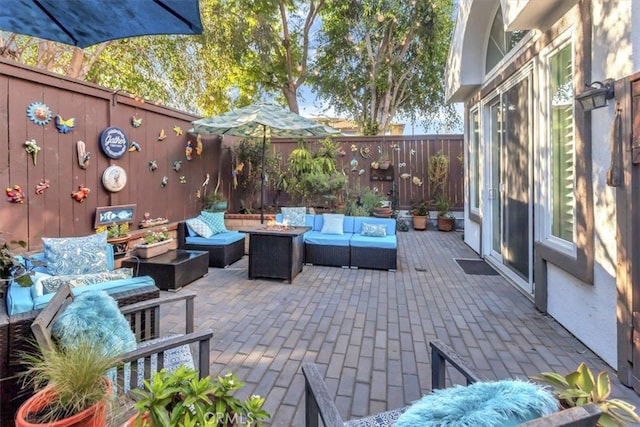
point(581, 386)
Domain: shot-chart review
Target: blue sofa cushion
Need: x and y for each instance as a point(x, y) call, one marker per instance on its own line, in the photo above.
point(319, 238)
point(19, 299)
point(387, 242)
point(220, 239)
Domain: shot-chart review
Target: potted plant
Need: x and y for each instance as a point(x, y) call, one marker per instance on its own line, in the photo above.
point(71, 385)
point(116, 233)
point(15, 267)
point(216, 202)
point(420, 214)
point(580, 387)
point(384, 162)
point(446, 220)
point(180, 398)
point(155, 243)
point(383, 209)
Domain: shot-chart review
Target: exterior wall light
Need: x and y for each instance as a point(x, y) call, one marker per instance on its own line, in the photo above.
point(596, 96)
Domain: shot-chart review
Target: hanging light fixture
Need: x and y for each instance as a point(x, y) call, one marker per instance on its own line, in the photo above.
point(596, 95)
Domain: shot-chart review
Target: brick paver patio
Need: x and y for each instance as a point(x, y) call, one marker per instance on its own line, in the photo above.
point(369, 330)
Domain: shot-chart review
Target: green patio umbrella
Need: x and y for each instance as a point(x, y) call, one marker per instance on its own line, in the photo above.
point(261, 120)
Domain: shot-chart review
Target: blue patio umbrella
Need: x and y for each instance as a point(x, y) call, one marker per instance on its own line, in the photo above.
point(83, 23)
point(261, 120)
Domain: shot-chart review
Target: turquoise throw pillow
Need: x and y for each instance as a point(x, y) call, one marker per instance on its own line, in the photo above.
point(94, 315)
point(294, 216)
point(373, 230)
point(76, 255)
point(199, 227)
point(215, 221)
point(332, 224)
point(483, 404)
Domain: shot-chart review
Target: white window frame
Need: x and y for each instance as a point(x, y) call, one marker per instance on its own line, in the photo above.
point(475, 162)
point(545, 215)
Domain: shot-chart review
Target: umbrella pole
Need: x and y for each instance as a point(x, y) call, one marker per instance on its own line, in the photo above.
point(264, 140)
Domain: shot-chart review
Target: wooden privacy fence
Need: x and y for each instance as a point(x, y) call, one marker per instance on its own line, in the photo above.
point(161, 137)
point(408, 175)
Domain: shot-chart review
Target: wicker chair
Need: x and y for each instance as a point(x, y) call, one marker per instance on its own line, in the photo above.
point(319, 404)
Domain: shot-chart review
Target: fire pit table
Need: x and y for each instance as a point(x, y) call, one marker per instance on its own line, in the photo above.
point(276, 252)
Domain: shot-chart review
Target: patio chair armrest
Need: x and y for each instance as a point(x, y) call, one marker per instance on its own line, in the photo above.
point(582, 416)
point(164, 298)
point(141, 314)
point(318, 401)
point(158, 348)
point(441, 354)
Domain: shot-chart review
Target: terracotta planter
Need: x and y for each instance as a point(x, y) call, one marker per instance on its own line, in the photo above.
point(94, 416)
point(420, 222)
point(121, 239)
point(382, 212)
point(446, 224)
point(220, 206)
point(144, 420)
point(154, 249)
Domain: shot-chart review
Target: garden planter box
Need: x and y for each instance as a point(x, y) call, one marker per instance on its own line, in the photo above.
point(155, 249)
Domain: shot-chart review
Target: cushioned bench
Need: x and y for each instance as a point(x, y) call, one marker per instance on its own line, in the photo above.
point(328, 248)
point(21, 300)
point(345, 244)
point(379, 252)
point(224, 248)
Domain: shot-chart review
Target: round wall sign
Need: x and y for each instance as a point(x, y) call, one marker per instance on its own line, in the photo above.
point(114, 142)
point(114, 178)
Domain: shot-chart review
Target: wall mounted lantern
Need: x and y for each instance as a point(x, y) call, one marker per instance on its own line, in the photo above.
point(596, 95)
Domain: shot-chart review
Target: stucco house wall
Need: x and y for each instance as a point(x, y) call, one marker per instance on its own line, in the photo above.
point(605, 40)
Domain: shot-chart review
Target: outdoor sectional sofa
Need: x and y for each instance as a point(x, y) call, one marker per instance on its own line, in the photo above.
point(224, 248)
point(352, 248)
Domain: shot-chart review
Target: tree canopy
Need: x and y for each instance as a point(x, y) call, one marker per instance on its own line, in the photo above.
point(379, 60)
point(373, 60)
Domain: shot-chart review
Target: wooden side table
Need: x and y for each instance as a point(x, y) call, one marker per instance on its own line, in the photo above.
point(171, 270)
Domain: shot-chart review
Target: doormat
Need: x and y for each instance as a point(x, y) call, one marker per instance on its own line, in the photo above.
point(476, 266)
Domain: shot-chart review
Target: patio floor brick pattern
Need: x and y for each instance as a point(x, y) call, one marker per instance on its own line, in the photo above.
point(369, 330)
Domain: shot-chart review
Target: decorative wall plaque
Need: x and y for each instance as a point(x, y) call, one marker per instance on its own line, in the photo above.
point(114, 178)
point(114, 142)
point(107, 215)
